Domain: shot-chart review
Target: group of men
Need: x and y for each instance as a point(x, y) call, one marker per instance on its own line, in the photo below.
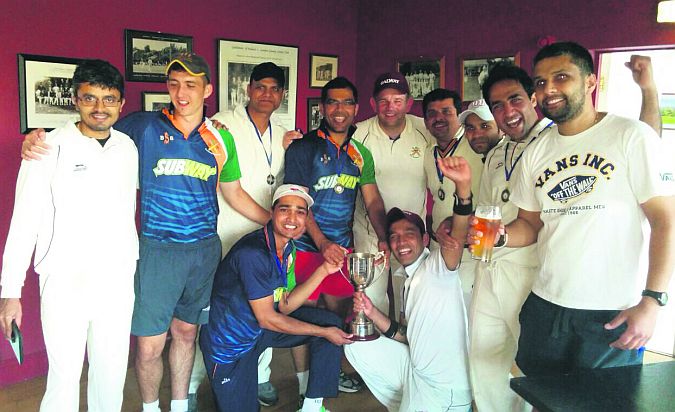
point(576, 179)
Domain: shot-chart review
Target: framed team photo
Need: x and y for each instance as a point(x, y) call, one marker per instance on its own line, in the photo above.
point(313, 113)
point(236, 60)
point(45, 91)
point(148, 53)
point(475, 71)
point(322, 69)
point(155, 101)
point(423, 74)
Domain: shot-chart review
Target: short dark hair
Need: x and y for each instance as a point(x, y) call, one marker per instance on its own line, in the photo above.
point(98, 73)
point(339, 83)
point(577, 53)
point(506, 70)
point(441, 94)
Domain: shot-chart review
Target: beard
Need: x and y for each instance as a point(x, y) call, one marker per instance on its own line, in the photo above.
point(574, 105)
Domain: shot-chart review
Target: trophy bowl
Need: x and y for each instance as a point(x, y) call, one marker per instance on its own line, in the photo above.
point(362, 274)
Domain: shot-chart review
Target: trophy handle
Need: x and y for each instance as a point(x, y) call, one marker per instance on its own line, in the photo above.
point(378, 255)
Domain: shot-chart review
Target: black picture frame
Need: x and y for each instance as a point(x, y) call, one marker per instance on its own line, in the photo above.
point(147, 53)
point(45, 91)
point(154, 101)
point(322, 69)
point(313, 114)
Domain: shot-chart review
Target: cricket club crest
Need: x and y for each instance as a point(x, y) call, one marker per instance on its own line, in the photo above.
point(166, 138)
point(415, 152)
point(571, 188)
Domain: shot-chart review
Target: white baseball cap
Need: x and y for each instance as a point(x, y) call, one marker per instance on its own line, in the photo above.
point(292, 190)
point(479, 108)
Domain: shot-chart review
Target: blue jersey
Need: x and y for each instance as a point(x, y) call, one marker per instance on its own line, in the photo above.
point(179, 175)
point(251, 270)
point(333, 175)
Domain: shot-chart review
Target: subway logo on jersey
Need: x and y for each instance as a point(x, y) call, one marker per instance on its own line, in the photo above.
point(184, 167)
point(329, 182)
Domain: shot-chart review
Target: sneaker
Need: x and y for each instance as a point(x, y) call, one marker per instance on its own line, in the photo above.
point(349, 384)
point(301, 400)
point(267, 394)
point(192, 402)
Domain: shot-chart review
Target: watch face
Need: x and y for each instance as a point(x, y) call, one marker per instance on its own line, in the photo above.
point(661, 297)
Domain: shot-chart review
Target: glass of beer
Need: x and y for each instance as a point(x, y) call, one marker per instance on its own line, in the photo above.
point(488, 220)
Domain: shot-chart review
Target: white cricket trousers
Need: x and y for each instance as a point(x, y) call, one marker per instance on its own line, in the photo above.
point(87, 309)
point(385, 366)
point(500, 289)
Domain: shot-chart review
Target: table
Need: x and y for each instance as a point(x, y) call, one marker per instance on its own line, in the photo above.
point(644, 388)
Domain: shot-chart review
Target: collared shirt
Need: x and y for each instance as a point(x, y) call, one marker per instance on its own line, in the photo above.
point(179, 175)
point(316, 162)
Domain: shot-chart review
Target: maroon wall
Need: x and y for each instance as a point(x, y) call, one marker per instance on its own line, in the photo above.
point(391, 29)
point(96, 30)
point(373, 33)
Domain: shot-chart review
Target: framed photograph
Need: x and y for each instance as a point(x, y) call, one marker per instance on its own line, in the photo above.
point(236, 60)
point(475, 71)
point(313, 113)
point(423, 74)
point(155, 101)
point(322, 69)
point(45, 91)
point(147, 53)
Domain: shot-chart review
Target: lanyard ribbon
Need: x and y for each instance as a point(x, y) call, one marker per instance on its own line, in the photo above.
point(507, 172)
point(449, 151)
point(257, 132)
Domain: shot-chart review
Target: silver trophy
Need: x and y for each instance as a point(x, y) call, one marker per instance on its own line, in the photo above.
point(362, 274)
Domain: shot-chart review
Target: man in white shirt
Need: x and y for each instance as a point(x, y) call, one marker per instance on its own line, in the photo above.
point(421, 361)
point(594, 177)
point(398, 142)
point(76, 210)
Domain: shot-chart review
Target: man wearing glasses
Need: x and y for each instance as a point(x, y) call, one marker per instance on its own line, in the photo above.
point(183, 161)
point(333, 167)
point(76, 210)
point(398, 142)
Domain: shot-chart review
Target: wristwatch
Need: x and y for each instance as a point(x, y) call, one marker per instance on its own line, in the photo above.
point(661, 297)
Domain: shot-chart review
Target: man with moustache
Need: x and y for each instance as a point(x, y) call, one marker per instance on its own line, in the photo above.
point(398, 142)
point(595, 176)
point(76, 210)
point(255, 304)
point(260, 143)
point(333, 167)
point(420, 362)
point(440, 108)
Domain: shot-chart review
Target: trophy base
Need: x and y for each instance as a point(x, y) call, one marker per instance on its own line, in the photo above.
point(363, 332)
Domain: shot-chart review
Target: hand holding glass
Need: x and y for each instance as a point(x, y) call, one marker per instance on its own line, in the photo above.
point(487, 222)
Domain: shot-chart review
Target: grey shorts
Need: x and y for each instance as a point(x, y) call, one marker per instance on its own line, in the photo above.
point(173, 280)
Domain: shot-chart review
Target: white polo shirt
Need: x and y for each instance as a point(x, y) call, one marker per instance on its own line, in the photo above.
point(253, 153)
point(399, 172)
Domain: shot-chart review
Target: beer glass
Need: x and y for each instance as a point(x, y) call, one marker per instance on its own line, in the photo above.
point(362, 274)
point(488, 218)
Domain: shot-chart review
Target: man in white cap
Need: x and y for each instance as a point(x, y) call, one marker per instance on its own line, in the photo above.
point(256, 304)
point(480, 127)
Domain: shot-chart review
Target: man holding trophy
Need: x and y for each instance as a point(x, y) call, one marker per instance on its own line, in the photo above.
point(421, 362)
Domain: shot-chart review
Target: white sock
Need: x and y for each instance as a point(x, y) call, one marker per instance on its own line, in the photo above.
point(312, 405)
point(151, 407)
point(303, 377)
point(179, 405)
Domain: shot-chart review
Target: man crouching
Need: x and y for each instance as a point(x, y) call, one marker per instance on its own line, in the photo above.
point(421, 361)
point(255, 305)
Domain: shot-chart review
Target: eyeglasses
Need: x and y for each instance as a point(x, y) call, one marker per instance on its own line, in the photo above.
point(89, 100)
point(336, 103)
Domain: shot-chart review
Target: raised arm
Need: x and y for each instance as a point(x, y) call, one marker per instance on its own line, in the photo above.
point(643, 75)
point(456, 169)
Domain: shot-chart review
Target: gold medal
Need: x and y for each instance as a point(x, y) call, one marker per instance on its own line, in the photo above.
point(441, 194)
point(339, 188)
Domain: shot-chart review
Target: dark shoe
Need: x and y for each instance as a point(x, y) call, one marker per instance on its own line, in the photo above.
point(267, 394)
point(349, 384)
